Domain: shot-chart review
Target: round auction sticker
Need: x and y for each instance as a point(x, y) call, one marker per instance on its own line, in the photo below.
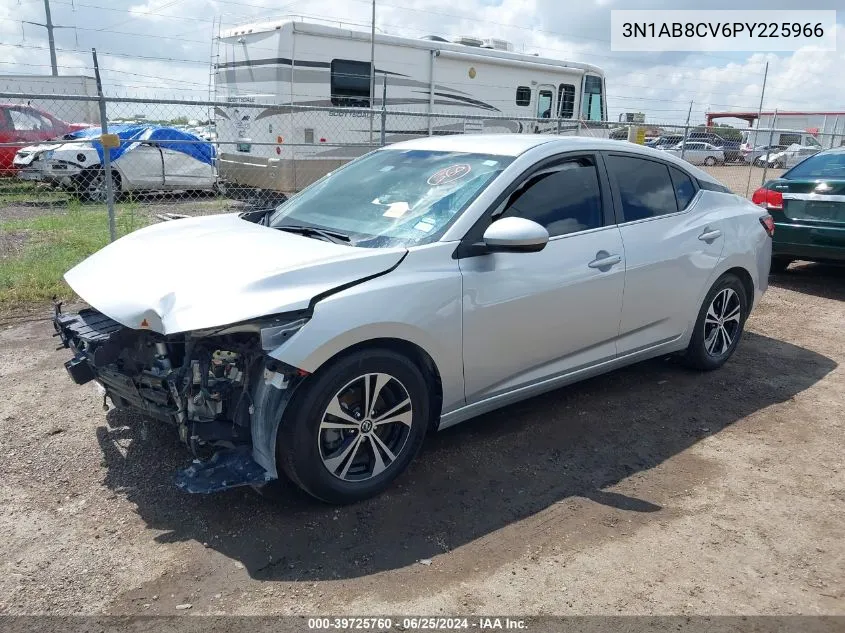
point(449, 174)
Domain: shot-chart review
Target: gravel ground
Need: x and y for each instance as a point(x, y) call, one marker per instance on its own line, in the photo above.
point(651, 490)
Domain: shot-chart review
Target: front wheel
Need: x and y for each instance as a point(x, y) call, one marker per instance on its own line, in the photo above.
point(710, 161)
point(356, 427)
point(92, 185)
point(719, 324)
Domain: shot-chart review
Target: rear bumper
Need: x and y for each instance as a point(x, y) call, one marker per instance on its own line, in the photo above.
point(810, 242)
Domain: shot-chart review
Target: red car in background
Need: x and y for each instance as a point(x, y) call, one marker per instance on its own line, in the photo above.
point(22, 125)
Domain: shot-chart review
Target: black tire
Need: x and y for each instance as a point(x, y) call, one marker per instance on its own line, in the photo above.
point(706, 352)
point(301, 444)
point(710, 161)
point(91, 185)
point(779, 264)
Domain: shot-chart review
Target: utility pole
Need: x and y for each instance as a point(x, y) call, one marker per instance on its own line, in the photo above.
point(50, 27)
point(372, 68)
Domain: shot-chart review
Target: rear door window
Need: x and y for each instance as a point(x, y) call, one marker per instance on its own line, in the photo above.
point(645, 187)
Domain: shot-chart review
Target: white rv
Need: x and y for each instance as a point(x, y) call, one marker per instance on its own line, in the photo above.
point(269, 66)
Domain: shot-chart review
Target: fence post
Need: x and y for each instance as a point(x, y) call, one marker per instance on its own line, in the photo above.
point(578, 129)
point(558, 126)
point(104, 129)
point(686, 131)
point(769, 147)
point(383, 109)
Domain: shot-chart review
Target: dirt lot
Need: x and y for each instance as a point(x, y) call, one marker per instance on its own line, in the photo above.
point(652, 490)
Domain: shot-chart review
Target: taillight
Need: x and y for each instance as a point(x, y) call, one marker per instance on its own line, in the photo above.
point(767, 198)
point(768, 223)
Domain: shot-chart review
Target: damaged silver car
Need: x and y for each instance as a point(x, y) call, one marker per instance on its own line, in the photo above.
point(416, 287)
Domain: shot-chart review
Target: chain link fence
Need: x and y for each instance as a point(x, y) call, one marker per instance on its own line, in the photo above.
point(62, 195)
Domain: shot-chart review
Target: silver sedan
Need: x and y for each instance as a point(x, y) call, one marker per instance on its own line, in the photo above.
point(699, 153)
point(422, 285)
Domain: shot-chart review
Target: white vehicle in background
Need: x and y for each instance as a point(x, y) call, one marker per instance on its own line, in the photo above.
point(762, 138)
point(698, 153)
point(296, 63)
point(150, 158)
point(785, 158)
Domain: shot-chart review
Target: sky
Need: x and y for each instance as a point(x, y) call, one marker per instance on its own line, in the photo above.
point(163, 48)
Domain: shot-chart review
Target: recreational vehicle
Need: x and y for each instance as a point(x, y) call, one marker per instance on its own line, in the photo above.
point(324, 72)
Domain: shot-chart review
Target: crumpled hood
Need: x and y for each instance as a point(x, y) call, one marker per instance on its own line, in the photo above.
point(197, 273)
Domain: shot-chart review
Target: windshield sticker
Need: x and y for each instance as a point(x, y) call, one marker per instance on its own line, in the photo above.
point(396, 209)
point(386, 168)
point(449, 174)
point(424, 226)
point(491, 163)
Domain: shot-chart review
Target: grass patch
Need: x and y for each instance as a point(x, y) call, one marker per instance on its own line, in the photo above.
point(55, 243)
point(21, 191)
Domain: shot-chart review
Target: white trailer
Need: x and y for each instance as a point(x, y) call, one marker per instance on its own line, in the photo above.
point(300, 63)
point(69, 111)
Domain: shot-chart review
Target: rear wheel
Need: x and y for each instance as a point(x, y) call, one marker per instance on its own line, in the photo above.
point(719, 324)
point(710, 161)
point(353, 430)
point(780, 264)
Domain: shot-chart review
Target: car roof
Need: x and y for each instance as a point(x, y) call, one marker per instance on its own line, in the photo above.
point(516, 144)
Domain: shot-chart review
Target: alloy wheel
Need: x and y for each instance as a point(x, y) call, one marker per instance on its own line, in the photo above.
point(95, 187)
point(365, 427)
point(722, 322)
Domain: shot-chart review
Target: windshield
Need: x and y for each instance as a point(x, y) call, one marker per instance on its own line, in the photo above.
point(828, 166)
point(392, 197)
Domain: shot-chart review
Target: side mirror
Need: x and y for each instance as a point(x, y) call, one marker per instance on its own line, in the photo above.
point(515, 235)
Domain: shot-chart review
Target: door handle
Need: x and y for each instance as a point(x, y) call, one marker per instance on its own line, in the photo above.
point(604, 260)
point(709, 236)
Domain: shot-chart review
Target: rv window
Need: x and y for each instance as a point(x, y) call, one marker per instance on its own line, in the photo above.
point(566, 101)
point(789, 139)
point(523, 96)
point(591, 105)
point(350, 83)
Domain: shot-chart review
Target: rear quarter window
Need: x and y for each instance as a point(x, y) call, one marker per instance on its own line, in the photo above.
point(684, 188)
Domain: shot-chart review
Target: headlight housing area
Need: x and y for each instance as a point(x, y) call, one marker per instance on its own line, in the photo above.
point(272, 330)
point(273, 336)
point(47, 155)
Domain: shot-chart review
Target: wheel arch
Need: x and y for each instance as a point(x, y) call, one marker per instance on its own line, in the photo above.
point(413, 352)
point(746, 279)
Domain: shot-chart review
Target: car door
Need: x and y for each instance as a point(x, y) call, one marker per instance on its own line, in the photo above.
point(7, 138)
point(695, 153)
point(183, 171)
point(671, 248)
point(531, 316)
point(141, 166)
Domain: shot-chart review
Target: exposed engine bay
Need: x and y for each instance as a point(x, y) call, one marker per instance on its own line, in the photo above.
point(204, 384)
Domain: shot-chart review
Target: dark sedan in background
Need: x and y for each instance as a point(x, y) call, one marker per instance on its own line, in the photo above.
point(808, 207)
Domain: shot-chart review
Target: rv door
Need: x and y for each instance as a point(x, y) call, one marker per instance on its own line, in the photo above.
point(545, 107)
